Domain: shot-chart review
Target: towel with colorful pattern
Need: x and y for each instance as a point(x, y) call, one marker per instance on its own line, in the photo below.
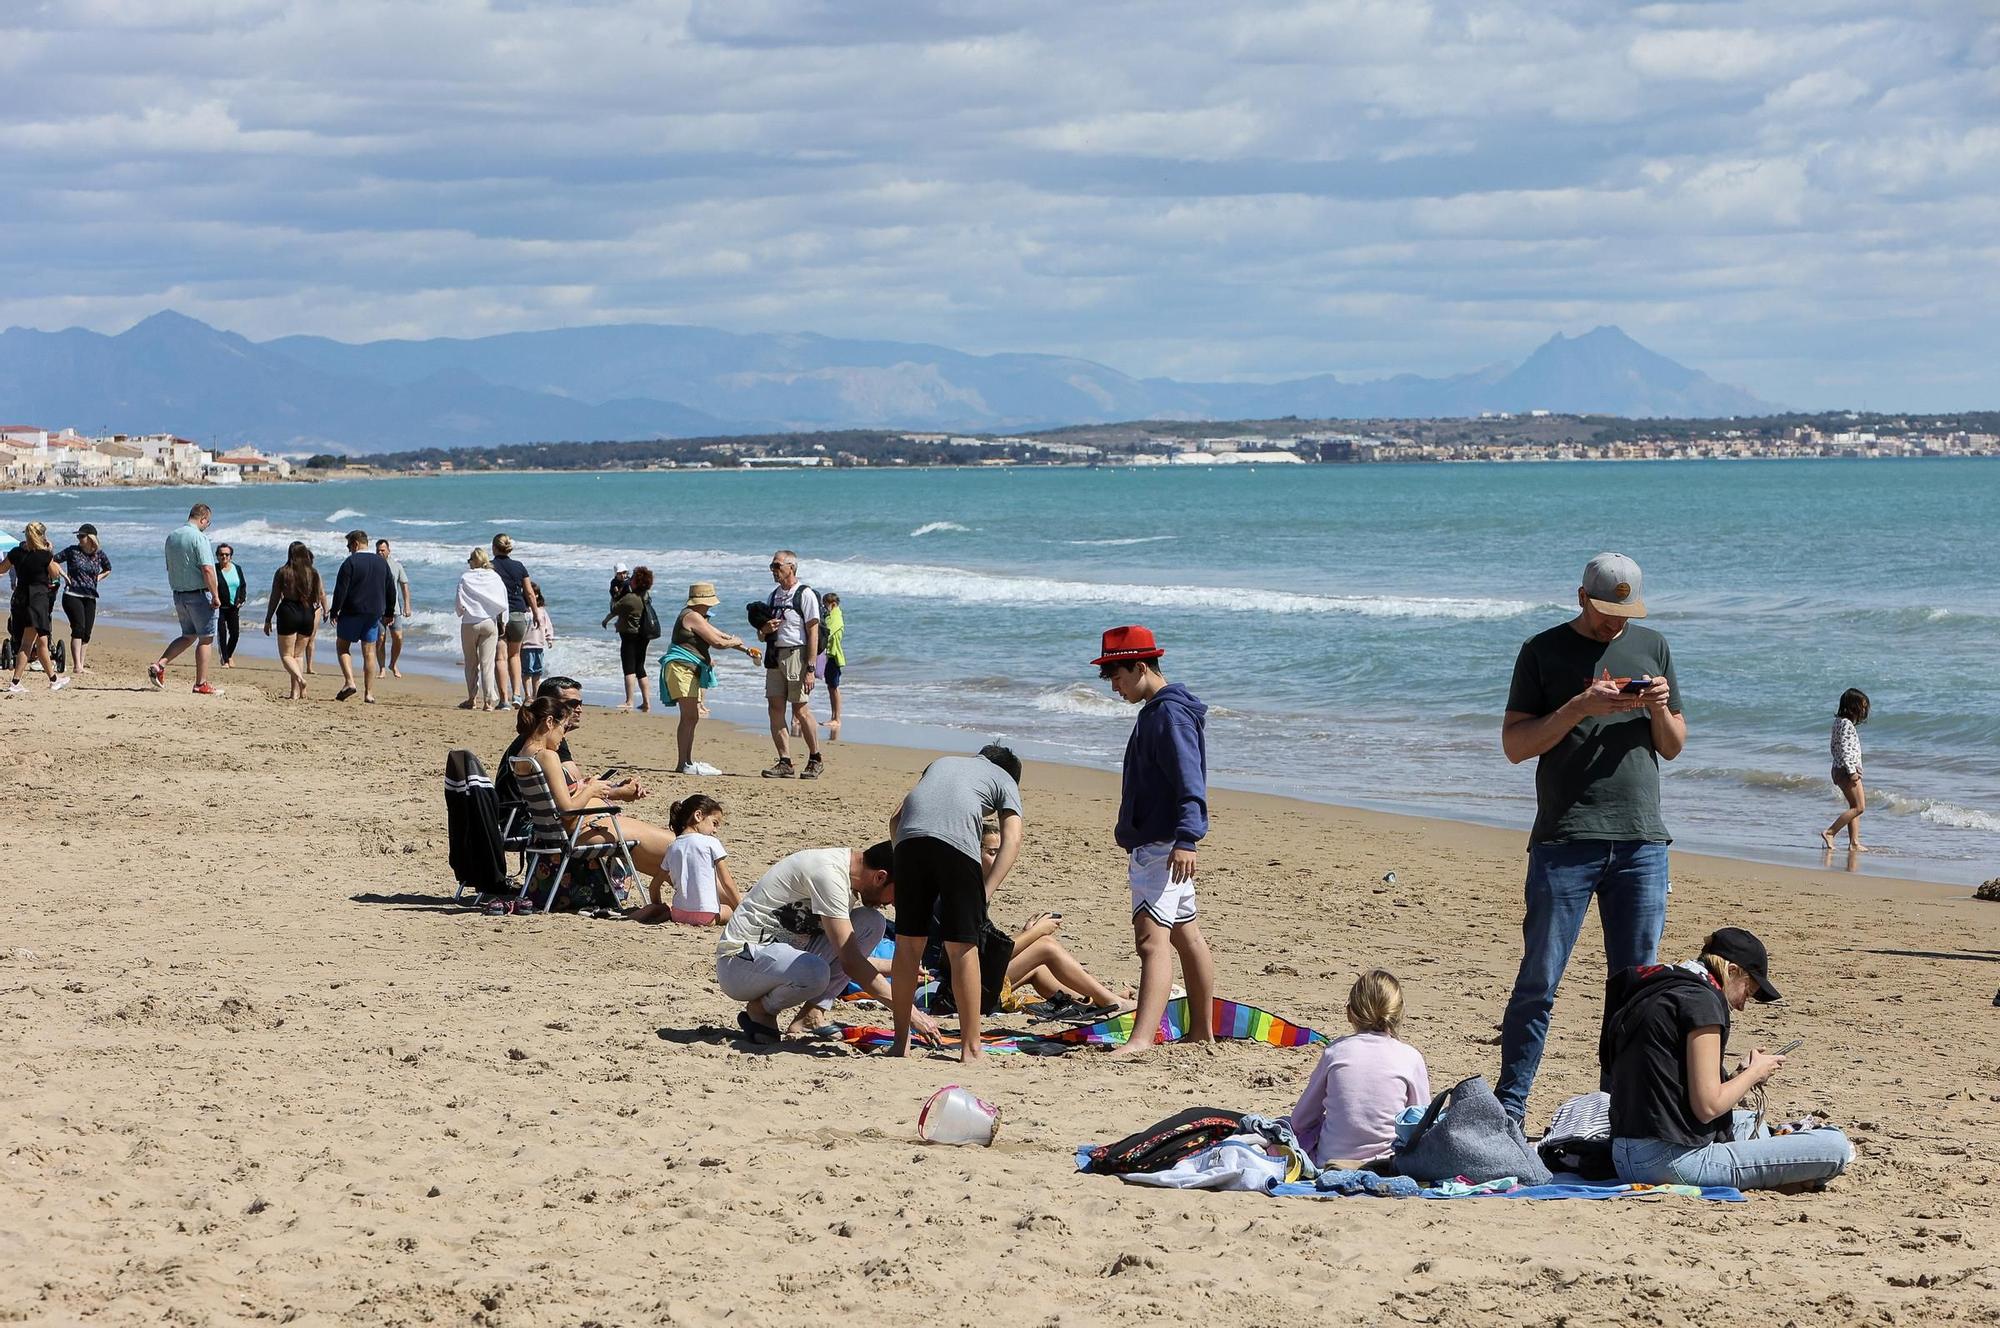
point(1233, 1020)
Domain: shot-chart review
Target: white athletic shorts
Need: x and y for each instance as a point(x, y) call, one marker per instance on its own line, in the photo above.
point(1153, 889)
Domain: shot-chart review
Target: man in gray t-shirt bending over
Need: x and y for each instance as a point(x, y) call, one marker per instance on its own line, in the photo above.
point(942, 880)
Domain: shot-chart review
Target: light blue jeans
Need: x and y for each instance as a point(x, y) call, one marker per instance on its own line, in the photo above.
point(1628, 878)
point(1758, 1163)
point(782, 976)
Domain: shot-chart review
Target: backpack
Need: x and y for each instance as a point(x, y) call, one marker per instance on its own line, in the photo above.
point(1160, 1146)
point(763, 611)
point(649, 621)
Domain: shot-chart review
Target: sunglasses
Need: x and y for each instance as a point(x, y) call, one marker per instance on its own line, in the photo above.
point(779, 567)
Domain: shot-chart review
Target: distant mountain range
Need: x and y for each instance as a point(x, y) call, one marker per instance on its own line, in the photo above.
point(171, 373)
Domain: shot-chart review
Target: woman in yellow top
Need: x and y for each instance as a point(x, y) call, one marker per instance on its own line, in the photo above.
point(836, 657)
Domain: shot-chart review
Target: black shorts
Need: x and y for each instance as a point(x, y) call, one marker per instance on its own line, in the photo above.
point(81, 610)
point(33, 606)
point(632, 654)
point(939, 891)
point(832, 676)
point(294, 618)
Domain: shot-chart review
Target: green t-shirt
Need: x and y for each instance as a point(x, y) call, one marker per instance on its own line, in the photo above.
point(1602, 779)
point(187, 553)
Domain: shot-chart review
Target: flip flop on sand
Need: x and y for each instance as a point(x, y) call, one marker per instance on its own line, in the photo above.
point(344, 693)
point(762, 1035)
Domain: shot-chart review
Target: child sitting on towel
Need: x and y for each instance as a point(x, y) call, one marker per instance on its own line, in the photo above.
point(1362, 1082)
point(697, 864)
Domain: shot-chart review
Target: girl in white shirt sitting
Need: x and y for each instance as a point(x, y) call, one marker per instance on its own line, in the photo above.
point(1347, 1114)
point(704, 893)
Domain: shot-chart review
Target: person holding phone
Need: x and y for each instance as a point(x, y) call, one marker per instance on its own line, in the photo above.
point(1595, 703)
point(1677, 1117)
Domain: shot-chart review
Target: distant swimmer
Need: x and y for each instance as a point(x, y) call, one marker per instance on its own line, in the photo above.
point(1853, 710)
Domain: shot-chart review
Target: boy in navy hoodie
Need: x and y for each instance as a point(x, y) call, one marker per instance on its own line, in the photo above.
point(1162, 818)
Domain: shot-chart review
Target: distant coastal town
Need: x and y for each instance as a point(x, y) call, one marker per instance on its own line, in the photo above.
point(33, 457)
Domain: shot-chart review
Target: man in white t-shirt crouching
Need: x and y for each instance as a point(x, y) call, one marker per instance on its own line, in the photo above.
point(809, 925)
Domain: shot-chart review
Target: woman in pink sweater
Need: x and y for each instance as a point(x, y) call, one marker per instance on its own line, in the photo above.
point(1362, 1082)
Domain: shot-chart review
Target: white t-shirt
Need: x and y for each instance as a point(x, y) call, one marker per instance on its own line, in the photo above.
point(792, 626)
point(815, 877)
point(691, 863)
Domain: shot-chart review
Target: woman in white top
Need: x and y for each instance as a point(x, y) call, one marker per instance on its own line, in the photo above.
point(482, 611)
point(705, 894)
point(1853, 710)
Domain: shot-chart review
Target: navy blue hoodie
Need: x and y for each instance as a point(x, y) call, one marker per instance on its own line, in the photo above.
point(1166, 773)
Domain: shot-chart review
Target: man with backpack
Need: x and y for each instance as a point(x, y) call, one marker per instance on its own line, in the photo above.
point(791, 643)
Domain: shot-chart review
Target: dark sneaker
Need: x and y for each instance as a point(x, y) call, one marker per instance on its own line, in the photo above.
point(814, 767)
point(782, 770)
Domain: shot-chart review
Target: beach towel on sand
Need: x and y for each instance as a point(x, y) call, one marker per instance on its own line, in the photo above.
point(1231, 1171)
point(1233, 1021)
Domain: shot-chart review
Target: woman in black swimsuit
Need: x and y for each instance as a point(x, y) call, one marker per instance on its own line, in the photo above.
point(36, 575)
point(296, 594)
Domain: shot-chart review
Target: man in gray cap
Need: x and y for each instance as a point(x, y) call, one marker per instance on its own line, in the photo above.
point(1595, 700)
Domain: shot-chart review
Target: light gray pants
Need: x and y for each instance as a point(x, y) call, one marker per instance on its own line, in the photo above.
point(782, 975)
point(478, 642)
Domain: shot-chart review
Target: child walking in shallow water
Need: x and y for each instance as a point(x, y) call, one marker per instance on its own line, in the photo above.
point(1362, 1082)
point(1853, 710)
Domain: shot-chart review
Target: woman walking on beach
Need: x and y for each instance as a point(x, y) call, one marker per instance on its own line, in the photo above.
point(521, 589)
point(85, 565)
point(296, 596)
point(1853, 710)
point(637, 626)
point(690, 669)
point(482, 613)
point(36, 577)
point(232, 587)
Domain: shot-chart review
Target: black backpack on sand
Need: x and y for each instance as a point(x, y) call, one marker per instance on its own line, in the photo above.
point(1161, 1146)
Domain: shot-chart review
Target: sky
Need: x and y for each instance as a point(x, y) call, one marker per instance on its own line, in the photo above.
point(1801, 197)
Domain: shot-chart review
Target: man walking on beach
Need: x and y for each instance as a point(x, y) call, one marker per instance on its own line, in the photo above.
point(363, 595)
point(1162, 819)
point(802, 931)
point(941, 879)
point(389, 654)
point(1595, 699)
point(191, 576)
point(791, 644)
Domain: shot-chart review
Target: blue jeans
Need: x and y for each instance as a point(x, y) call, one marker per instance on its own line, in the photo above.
point(1628, 878)
point(1758, 1163)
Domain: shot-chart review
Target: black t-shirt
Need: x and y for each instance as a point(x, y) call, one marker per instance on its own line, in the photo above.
point(516, 577)
point(1601, 781)
point(1649, 1074)
point(31, 569)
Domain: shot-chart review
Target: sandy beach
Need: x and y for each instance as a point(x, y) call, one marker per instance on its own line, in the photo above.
point(258, 1066)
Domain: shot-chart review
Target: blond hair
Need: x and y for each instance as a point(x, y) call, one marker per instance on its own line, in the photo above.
point(1375, 1003)
point(480, 558)
point(503, 545)
point(1719, 968)
point(36, 536)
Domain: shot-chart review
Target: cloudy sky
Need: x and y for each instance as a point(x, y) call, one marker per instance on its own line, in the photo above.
point(1800, 196)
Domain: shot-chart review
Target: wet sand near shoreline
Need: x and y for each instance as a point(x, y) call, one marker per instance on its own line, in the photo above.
point(259, 1066)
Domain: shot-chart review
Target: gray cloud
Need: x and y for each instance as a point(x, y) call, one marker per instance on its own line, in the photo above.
point(1795, 196)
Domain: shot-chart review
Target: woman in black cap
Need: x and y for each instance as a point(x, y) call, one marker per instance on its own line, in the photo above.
point(85, 565)
point(1677, 1118)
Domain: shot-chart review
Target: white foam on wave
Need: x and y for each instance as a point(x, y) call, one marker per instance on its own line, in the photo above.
point(415, 521)
point(936, 527)
point(1934, 812)
point(1123, 543)
point(343, 514)
point(1080, 698)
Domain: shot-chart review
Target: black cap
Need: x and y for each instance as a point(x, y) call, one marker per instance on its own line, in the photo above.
point(85, 529)
point(1745, 951)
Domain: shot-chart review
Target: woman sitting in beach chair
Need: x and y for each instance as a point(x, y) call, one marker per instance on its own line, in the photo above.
point(542, 723)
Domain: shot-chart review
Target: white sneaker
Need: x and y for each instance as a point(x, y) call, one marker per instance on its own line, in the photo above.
point(15, 689)
point(57, 684)
point(703, 768)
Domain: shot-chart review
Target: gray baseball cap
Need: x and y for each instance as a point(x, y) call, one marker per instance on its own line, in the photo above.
point(1611, 584)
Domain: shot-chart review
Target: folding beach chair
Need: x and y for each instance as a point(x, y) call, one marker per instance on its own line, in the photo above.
point(555, 845)
point(478, 848)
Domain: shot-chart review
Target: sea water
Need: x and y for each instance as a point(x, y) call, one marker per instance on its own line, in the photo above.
point(1352, 627)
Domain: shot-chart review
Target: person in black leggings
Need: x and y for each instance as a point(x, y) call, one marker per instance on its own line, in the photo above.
point(234, 586)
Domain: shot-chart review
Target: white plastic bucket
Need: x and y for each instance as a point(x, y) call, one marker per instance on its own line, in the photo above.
point(955, 1116)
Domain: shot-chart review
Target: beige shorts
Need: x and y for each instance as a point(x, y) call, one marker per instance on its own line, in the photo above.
point(787, 681)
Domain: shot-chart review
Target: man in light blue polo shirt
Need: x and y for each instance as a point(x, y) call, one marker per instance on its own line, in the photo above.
point(191, 576)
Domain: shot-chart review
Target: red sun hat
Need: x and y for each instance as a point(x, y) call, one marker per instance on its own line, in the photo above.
point(1125, 644)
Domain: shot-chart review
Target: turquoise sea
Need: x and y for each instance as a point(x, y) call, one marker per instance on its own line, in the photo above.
point(1352, 626)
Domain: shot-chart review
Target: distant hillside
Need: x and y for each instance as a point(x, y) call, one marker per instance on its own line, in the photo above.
point(173, 373)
